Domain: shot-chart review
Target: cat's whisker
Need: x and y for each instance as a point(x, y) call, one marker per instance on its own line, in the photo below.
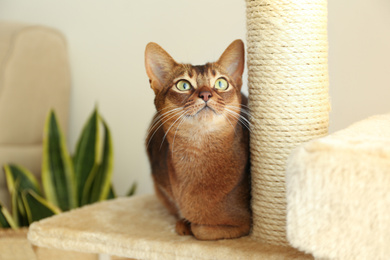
point(227, 118)
point(240, 118)
point(245, 122)
point(159, 118)
point(165, 108)
point(155, 131)
point(159, 115)
point(184, 118)
point(241, 109)
point(155, 128)
point(242, 105)
point(246, 112)
point(183, 113)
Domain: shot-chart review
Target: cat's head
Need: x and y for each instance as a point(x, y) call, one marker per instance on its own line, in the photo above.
point(211, 92)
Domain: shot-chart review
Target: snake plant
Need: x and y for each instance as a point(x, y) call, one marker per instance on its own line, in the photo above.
point(68, 182)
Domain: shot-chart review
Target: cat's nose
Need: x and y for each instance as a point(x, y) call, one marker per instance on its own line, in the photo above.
point(205, 95)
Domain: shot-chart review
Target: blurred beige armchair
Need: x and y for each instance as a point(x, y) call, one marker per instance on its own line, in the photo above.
point(34, 77)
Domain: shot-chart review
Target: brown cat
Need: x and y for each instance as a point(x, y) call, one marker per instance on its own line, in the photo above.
point(198, 143)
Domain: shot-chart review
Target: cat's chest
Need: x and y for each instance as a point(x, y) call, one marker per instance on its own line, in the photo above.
point(201, 149)
point(192, 151)
point(208, 168)
point(200, 156)
point(197, 144)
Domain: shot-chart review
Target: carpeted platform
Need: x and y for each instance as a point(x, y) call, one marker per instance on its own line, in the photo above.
point(338, 193)
point(139, 227)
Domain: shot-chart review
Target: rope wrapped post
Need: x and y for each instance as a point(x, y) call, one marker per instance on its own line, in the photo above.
point(288, 97)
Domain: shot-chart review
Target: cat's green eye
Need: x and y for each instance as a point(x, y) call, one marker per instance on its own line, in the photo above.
point(183, 85)
point(221, 84)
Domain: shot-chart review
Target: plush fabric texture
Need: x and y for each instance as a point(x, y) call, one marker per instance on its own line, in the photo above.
point(15, 246)
point(140, 227)
point(34, 78)
point(338, 193)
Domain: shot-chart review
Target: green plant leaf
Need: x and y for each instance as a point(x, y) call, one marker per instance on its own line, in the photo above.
point(87, 155)
point(132, 190)
point(57, 170)
point(18, 180)
point(101, 183)
point(20, 211)
point(112, 193)
point(17, 216)
point(27, 179)
point(37, 207)
point(86, 197)
point(6, 220)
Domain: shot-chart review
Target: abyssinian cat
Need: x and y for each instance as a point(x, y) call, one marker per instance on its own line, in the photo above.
point(198, 143)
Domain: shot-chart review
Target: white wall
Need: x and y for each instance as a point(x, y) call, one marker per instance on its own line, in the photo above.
point(107, 38)
point(359, 59)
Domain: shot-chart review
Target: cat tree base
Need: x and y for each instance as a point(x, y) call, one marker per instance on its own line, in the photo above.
point(140, 227)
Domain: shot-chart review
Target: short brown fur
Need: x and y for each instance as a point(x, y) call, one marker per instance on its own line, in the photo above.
point(198, 144)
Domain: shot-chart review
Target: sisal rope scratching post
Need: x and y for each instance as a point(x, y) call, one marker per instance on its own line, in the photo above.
point(288, 98)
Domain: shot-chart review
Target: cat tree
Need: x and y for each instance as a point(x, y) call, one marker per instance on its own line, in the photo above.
point(288, 94)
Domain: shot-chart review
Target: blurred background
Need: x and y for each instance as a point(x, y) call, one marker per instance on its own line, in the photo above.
point(106, 42)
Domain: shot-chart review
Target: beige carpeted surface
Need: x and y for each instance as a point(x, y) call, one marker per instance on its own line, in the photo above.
point(15, 246)
point(139, 227)
point(338, 193)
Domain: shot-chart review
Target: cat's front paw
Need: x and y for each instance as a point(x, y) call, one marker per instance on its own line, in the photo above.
point(183, 227)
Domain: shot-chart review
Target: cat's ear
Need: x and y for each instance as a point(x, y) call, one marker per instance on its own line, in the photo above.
point(233, 60)
point(158, 64)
